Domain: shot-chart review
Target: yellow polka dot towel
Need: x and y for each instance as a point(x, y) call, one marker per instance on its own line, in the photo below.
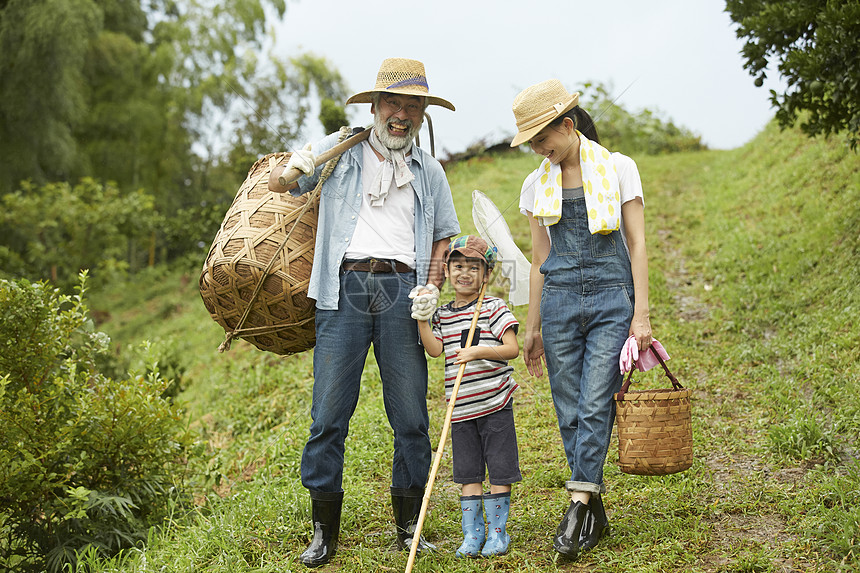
point(600, 186)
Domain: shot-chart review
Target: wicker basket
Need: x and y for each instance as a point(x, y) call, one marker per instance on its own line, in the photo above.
point(255, 279)
point(655, 430)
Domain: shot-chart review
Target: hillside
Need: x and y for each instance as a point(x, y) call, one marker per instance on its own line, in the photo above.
point(754, 266)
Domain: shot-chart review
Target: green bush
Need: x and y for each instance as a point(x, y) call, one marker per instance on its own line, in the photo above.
point(54, 231)
point(86, 461)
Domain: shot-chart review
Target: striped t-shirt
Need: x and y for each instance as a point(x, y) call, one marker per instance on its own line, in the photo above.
point(487, 385)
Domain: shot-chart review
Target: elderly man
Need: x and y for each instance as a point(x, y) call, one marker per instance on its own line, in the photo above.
point(386, 213)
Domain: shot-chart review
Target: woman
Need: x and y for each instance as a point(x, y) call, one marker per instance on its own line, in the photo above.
point(588, 287)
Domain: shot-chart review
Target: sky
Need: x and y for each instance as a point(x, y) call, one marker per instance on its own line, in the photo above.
point(678, 58)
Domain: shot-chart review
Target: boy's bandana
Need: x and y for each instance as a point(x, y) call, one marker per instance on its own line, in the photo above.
point(600, 186)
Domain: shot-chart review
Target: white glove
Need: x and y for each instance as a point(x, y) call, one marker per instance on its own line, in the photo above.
point(424, 300)
point(303, 160)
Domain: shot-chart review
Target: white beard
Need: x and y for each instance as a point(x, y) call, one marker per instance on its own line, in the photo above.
point(395, 141)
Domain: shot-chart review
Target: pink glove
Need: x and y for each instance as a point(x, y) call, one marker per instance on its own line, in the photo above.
point(629, 355)
point(646, 361)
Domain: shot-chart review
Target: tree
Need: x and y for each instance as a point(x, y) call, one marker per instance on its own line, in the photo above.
point(168, 96)
point(272, 111)
point(145, 93)
point(814, 43)
point(43, 47)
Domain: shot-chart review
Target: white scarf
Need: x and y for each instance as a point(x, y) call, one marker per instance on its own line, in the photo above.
point(600, 186)
point(393, 167)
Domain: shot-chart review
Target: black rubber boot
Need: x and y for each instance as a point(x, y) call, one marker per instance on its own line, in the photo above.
point(566, 540)
point(325, 509)
point(596, 525)
point(407, 507)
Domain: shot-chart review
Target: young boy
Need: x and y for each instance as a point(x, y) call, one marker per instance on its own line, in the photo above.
point(482, 431)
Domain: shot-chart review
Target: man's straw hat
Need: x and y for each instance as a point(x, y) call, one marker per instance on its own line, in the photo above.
point(401, 76)
point(536, 106)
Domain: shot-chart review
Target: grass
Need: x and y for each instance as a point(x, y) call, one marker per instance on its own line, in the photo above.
point(754, 290)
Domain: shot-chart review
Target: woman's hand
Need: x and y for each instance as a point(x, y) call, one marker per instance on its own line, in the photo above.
point(641, 329)
point(533, 353)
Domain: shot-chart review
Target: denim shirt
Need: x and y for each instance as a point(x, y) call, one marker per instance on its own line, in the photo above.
point(340, 202)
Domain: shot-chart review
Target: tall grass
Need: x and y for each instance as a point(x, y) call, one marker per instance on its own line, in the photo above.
point(754, 288)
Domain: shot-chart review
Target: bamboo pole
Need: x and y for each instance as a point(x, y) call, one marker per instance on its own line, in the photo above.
point(416, 536)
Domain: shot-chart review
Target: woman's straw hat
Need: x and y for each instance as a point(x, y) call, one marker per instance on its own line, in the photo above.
point(401, 76)
point(536, 106)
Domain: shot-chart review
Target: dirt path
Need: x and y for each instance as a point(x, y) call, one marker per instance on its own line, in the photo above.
point(734, 474)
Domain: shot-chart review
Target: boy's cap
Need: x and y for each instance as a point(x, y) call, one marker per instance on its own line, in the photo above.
point(472, 247)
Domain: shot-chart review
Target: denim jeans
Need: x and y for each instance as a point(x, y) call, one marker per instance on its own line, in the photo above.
point(372, 309)
point(586, 310)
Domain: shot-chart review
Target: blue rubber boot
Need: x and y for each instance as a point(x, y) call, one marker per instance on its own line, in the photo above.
point(473, 526)
point(497, 506)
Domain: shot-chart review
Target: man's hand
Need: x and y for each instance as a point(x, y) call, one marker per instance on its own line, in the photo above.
point(424, 301)
point(303, 160)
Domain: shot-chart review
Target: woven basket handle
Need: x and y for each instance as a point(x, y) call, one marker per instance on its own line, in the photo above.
point(675, 384)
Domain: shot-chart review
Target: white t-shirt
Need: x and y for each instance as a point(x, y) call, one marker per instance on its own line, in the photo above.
point(628, 180)
point(388, 231)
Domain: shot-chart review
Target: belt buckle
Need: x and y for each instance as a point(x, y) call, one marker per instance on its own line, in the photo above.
point(371, 265)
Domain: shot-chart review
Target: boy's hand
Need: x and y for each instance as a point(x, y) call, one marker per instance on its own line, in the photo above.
point(424, 300)
point(468, 354)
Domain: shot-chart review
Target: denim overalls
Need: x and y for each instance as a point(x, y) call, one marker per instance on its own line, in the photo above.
point(586, 311)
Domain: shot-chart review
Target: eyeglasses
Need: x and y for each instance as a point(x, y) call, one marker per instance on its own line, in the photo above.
point(395, 106)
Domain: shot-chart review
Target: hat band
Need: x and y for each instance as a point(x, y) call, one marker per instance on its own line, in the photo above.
point(416, 81)
point(537, 120)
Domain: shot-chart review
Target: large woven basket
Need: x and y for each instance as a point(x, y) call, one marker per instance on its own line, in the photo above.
point(265, 238)
point(655, 430)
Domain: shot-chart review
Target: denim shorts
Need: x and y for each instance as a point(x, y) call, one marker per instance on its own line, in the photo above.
point(487, 442)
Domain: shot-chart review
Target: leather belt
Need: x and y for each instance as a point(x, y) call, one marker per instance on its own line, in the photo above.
point(377, 266)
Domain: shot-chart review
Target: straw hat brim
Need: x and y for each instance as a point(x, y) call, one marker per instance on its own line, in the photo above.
point(525, 135)
point(366, 97)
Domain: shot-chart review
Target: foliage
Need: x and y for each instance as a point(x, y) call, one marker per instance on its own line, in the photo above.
point(332, 115)
point(634, 133)
point(57, 230)
point(276, 106)
point(37, 118)
point(161, 104)
point(814, 43)
point(86, 461)
point(164, 95)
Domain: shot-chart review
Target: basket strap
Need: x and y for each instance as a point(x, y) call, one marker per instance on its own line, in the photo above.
point(345, 132)
point(675, 384)
point(626, 386)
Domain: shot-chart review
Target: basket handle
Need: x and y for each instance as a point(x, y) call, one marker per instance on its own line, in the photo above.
point(675, 384)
